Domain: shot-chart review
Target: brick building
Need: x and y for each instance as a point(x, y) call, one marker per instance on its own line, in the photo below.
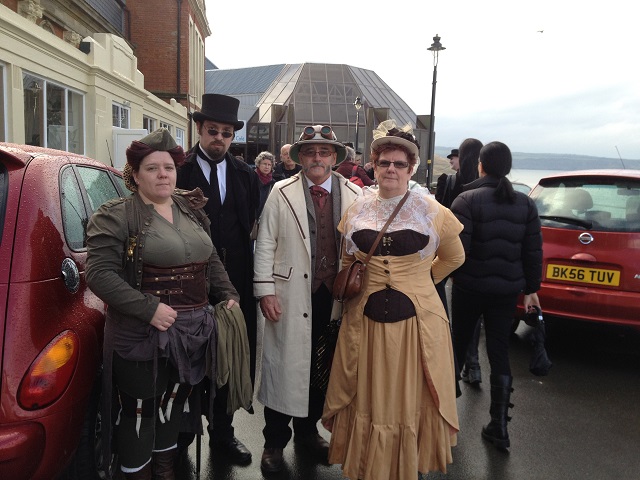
point(96, 74)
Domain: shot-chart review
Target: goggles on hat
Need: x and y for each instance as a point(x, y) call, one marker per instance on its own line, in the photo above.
point(325, 131)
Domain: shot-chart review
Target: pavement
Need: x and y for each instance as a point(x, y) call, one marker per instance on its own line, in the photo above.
point(580, 422)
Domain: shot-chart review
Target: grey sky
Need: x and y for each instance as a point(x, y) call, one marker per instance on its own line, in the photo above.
point(574, 88)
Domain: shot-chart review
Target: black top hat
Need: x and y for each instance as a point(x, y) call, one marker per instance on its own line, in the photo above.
point(454, 153)
point(219, 108)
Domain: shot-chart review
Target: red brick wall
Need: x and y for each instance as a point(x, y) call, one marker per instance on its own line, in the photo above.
point(154, 36)
point(11, 4)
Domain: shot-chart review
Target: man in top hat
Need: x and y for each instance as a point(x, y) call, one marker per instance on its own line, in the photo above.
point(446, 183)
point(296, 262)
point(232, 189)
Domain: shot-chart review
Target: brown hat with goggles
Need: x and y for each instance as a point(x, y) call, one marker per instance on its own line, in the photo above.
point(318, 135)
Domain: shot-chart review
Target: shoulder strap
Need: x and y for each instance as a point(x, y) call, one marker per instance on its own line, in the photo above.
point(384, 229)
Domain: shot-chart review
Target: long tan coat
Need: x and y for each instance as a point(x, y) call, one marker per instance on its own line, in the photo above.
point(283, 267)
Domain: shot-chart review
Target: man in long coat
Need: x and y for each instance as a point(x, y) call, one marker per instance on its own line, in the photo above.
point(296, 261)
point(232, 189)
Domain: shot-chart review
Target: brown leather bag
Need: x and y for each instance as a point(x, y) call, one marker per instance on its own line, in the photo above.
point(349, 281)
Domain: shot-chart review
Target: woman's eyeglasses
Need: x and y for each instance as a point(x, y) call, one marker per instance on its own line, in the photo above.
point(309, 132)
point(397, 164)
point(214, 133)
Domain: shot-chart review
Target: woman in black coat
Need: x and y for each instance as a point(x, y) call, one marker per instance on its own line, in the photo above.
point(503, 247)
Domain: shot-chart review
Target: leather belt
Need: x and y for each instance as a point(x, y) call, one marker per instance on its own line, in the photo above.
point(180, 286)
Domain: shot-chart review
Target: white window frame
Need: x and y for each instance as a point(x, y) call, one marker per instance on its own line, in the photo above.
point(66, 128)
point(121, 108)
point(165, 125)
point(151, 123)
point(180, 137)
point(3, 103)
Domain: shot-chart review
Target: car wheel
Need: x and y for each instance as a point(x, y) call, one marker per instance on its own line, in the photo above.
point(88, 463)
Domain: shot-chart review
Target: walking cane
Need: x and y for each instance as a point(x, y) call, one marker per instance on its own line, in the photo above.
point(198, 454)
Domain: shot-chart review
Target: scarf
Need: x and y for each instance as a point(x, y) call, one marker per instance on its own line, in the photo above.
point(264, 178)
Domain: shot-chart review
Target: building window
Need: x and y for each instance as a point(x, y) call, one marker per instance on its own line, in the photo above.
point(196, 61)
point(53, 115)
point(149, 123)
point(165, 125)
point(180, 136)
point(120, 115)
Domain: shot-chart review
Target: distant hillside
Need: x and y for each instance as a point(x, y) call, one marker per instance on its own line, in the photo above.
point(555, 161)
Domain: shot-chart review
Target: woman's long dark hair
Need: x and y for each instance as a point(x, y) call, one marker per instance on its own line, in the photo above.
point(496, 161)
point(469, 153)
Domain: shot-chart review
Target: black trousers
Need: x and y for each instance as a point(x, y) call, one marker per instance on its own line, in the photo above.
point(498, 312)
point(277, 432)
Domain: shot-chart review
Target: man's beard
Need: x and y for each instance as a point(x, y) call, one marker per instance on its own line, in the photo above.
point(215, 151)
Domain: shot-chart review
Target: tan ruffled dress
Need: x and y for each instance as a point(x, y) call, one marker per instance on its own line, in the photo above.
point(391, 393)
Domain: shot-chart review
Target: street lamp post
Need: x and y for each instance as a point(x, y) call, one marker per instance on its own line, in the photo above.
point(358, 105)
point(435, 47)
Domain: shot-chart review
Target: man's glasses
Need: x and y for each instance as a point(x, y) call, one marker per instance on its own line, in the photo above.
point(309, 132)
point(214, 133)
point(312, 153)
point(397, 164)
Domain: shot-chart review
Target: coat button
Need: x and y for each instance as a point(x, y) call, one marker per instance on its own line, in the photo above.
point(306, 276)
point(386, 262)
point(305, 315)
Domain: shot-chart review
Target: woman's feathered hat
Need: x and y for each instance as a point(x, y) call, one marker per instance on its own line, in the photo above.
point(388, 132)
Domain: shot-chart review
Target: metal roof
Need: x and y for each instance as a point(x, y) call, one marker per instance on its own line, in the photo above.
point(241, 81)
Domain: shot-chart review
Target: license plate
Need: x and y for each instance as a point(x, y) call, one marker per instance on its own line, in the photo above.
point(594, 276)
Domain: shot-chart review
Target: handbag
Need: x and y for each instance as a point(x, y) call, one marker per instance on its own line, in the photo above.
point(540, 364)
point(348, 282)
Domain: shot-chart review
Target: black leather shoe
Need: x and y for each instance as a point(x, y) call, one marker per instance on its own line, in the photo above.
point(316, 444)
point(272, 461)
point(233, 449)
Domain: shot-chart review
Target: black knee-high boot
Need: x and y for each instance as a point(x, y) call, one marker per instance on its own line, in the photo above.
point(143, 474)
point(496, 432)
point(163, 464)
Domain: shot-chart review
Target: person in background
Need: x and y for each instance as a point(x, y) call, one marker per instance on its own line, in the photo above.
point(287, 167)
point(391, 404)
point(232, 188)
point(156, 345)
point(264, 169)
point(370, 170)
point(449, 187)
point(349, 168)
point(296, 264)
point(446, 182)
point(503, 247)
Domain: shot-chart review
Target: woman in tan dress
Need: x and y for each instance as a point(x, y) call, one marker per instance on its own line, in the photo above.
point(391, 404)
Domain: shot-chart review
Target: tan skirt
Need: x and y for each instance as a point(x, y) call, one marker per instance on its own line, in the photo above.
point(392, 429)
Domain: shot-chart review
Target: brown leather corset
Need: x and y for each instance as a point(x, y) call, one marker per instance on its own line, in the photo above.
point(182, 286)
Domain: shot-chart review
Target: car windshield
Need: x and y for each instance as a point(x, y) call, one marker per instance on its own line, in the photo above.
point(589, 203)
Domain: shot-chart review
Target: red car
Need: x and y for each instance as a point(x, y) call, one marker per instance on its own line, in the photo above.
point(51, 325)
point(591, 242)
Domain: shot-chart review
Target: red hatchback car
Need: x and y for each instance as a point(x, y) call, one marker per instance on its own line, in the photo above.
point(591, 243)
point(51, 325)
